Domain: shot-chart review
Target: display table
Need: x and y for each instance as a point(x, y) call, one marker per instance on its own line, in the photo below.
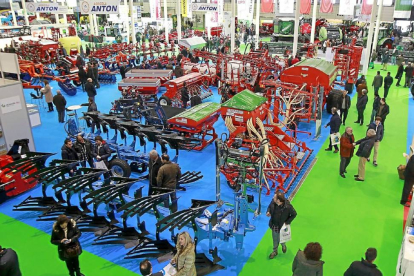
point(34, 115)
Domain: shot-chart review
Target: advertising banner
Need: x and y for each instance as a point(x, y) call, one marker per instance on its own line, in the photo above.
point(199, 7)
point(52, 8)
point(189, 9)
point(305, 6)
point(245, 10)
point(402, 8)
point(346, 7)
point(157, 9)
point(326, 6)
point(220, 14)
point(267, 6)
point(100, 7)
point(184, 5)
point(366, 7)
point(286, 6)
point(153, 10)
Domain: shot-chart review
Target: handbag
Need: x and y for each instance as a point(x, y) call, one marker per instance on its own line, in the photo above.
point(71, 250)
point(335, 138)
point(100, 165)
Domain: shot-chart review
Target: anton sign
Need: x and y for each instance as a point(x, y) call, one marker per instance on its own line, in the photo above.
point(100, 7)
point(197, 7)
point(53, 8)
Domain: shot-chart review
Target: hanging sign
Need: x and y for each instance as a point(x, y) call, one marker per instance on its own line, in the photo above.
point(157, 9)
point(199, 7)
point(10, 104)
point(346, 7)
point(100, 7)
point(305, 6)
point(245, 10)
point(402, 8)
point(183, 8)
point(266, 6)
point(286, 6)
point(220, 14)
point(326, 6)
point(53, 8)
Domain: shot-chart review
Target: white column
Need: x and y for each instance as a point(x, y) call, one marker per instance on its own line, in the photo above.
point(296, 28)
point(131, 11)
point(166, 20)
point(315, 6)
point(126, 20)
point(233, 25)
point(37, 14)
point(12, 12)
point(65, 17)
point(26, 18)
point(92, 29)
point(56, 15)
point(257, 23)
point(207, 25)
point(179, 19)
point(377, 25)
point(369, 39)
point(95, 24)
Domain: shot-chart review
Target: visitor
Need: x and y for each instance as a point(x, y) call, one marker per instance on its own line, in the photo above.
point(79, 62)
point(96, 75)
point(408, 180)
point(383, 111)
point(308, 262)
point(122, 70)
point(185, 97)
point(82, 77)
point(9, 262)
point(385, 60)
point(167, 177)
point(346, 150)
point(345, 105)
point(195, 99)
point(359, 81)
point(281, 212)
point(60, 103)
point(69, 153)
point(408, 74)
point(145, 267)
point(101, 151)
point(362, 86)
point(90, 89)
point(364, 267)
point(83, 148)
point(65, 235)
point(412, 89)
point(178, 71)
point(375, 107)
point(47, 92)
point(364, 151)
point(184, 260)
point(374, 56)
point(399, 74)
point(377, 82)
point(379, 129)
point(334, 124)
point(154, 166)
point(394, 56)
point(361, 105)
point(388, 80)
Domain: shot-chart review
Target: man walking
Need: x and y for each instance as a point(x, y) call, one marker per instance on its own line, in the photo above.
point(383, 111)
point(377, 82)
point(335, 124)
point(361, 105)
point(346, 148)
point(185, 97)
point(387, 84)
point(9, 262)
point(399, 74)
point(155, 164)
point(90, 89)
point(408, 74)
point(280, 212)
point(375, 106)
point(345, 105)
point(60, 103)
point(168, 176)
point(408, 180)
point(377, 126)
point(364, 267)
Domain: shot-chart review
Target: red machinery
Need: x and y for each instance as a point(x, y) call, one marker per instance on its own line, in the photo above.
point(306, 28)
point(313, 73)
point(197, 122)
point(145, 87)
point(266, 29)
point(216, 31)
point(162, 75)
point(348, 58)
point(195, 84)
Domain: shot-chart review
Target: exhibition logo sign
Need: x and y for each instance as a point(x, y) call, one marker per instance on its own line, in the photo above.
point(53, 8)
point(100, 7)
point(10, 104)
point(204, 7)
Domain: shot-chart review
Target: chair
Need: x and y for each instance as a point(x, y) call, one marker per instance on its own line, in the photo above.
point(38, 99)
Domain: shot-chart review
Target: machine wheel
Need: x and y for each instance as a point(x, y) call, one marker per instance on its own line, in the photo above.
point(119, 168)
point(235, 187)
point(164, 101)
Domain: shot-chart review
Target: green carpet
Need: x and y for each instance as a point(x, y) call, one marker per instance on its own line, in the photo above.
point(38, 257)
point(346, 216)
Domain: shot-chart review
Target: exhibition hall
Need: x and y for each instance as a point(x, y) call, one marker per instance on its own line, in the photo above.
point(206, 137)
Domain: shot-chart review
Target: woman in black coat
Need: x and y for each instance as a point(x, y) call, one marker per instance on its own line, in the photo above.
point(364, 152)
point(65, 235)
point(408, 180)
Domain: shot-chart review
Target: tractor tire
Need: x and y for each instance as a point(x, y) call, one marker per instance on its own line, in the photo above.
point(119, 168)
point(164, 101)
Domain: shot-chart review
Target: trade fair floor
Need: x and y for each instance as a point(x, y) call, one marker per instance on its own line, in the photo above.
point(345, 216)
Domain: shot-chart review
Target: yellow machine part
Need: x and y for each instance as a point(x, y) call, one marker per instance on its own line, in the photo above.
point(71, 42)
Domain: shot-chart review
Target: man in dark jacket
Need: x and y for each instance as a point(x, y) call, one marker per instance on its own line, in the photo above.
point(195, 99)
point(82, 77)
point(360, 87)
point(387, 84)
point(346, 150)
point(83, 148)
point(408, 75)
point(154, 166)
point(9, 262)
point(375, 106)
point(178, 71)
point(168, 176)
point(281, 212)
point(185, 97)
point(96, 75)
point(377, 82)
point(335, 124)
point(364, 267)
point(69, 153)
point(101, 151)
point(345, 105)
point(399, 74)
point(377, 126)
point(122, 70)
point(383, 111)
point(90, 89)
point(359, 81)
point(364, 151)
point(361, 105)
point(80, 62)
point(60, 103)
point(145, 267)
point(408, 180)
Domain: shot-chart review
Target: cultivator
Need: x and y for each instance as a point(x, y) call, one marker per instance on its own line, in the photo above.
point(347, 58)
point(162, 75)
